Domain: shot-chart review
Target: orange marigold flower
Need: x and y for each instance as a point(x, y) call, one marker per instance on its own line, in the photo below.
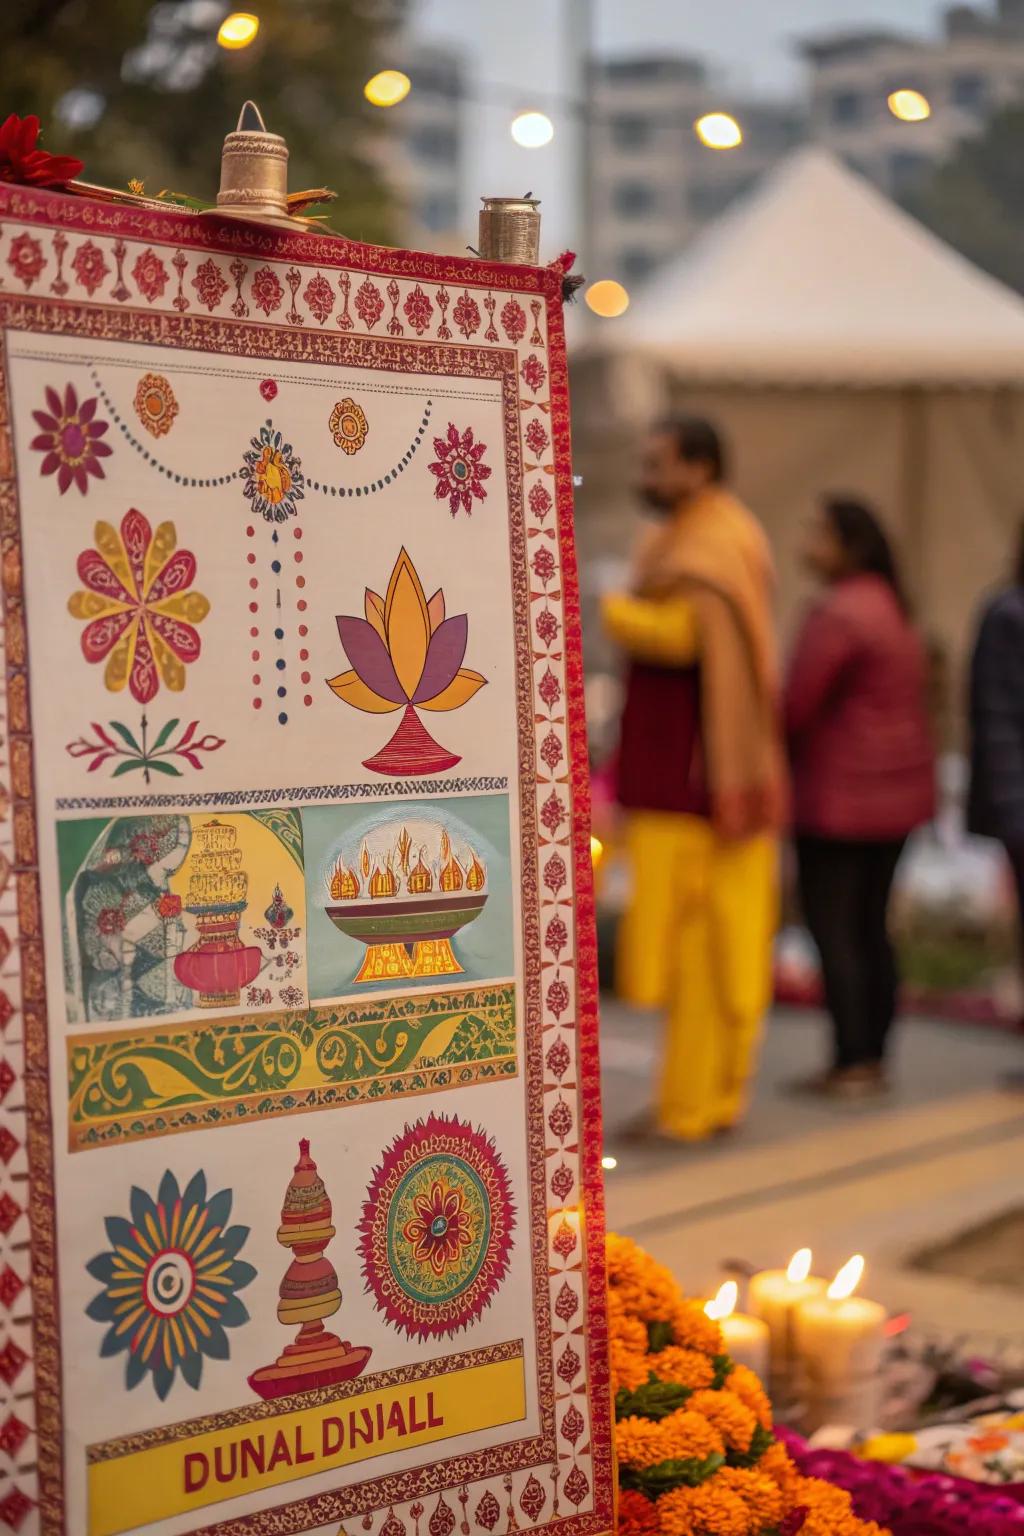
point(777, 1464)
point(639, 1442)
point(747, 1387)
point(734, 1421)
point(830, 1510)
point(624, 1328)
point(684, 1367)
point(765, 1501)
point(628, 1370)
point(646, 1289)
point(710, 1510)
point(637, 1515)
point(687, 1435)
point(693, 1329)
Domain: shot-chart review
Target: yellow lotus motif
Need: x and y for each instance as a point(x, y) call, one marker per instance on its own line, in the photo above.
point(406, 654)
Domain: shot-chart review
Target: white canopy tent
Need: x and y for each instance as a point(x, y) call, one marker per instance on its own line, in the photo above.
point(842, 347)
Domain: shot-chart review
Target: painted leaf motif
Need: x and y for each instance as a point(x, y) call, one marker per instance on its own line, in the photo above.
point(373, 607)
point(350, 687)
point(462, 688)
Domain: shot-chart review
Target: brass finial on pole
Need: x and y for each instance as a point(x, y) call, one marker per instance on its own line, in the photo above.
point(253, 170)
point(510, 230)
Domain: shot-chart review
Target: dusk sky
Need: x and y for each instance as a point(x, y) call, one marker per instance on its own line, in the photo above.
point(508, 42)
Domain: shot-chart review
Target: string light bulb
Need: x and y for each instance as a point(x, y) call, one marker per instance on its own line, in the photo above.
point(387, 88)
point(910, 106)
point(718, 130)
point(238, 30)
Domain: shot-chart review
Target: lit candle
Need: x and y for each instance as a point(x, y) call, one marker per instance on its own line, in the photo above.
point(839, 1341)
point(773, 1297)
point(744, 1338)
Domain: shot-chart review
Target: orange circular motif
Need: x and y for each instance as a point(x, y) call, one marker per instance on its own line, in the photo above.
point(349, 426)
point(155, 405)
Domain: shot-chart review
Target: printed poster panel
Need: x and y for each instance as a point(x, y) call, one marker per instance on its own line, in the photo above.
point(300, 1197)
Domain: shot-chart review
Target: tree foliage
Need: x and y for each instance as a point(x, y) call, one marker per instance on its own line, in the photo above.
point(169, 94)
point(975, 200)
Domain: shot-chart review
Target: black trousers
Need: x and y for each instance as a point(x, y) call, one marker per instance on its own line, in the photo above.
point(844, 889)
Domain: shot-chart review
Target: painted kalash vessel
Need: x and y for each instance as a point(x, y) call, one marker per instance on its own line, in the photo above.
point(405, 912)
point(218, 965)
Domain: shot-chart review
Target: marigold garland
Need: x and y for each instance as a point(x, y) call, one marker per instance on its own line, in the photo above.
point(693, 1432)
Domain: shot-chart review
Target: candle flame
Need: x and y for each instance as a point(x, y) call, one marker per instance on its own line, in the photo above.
point(799, 1266)
point(848, 1278)
point(724, 1304)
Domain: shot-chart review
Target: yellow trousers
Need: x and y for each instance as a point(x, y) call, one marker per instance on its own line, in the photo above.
point(697, 937)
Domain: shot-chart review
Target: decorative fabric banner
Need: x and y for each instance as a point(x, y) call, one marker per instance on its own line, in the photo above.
point(300, 1201)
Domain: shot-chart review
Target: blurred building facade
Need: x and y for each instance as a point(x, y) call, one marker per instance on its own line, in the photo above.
point(652, 185)
point(975, 68)
point(426, 146)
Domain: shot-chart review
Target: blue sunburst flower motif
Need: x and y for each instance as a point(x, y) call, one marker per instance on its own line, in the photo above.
point(170, 1282)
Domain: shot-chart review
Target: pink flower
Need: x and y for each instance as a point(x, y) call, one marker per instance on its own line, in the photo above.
point(26, 259)
point(150, 274)
point(71, 440)
point(209, 283)
point(266, 289)
point(89, 266)
point(458, 468)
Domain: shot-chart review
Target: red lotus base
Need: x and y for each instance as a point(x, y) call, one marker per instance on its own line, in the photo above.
point(411, 750)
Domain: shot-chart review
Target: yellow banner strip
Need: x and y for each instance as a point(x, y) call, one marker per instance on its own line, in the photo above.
point(191, 1473)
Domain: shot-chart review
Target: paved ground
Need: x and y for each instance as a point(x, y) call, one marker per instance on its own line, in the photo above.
point(943, 1155)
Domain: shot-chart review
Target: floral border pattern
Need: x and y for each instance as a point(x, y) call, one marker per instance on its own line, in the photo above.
point(317, 285)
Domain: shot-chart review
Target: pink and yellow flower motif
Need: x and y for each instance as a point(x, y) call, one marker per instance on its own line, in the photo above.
point(139, 611)
point(440, 1229)
point(70, 439)
point(459, 469)
point(406, 653)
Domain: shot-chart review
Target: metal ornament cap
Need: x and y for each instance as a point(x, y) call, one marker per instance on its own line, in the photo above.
point(254, 170)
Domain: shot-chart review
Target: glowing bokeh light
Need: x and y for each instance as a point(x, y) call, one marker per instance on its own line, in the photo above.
point(607, 298)
point(848, 1278)
point(724, 1304)
point(718, 130)
point(387, 88)
point(608, 1163)
point(799, 1266)
point(238, 30)
point(532, 130)
point(910, 106)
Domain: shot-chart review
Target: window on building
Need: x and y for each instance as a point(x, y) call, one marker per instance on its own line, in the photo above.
point(970, 92)
point(636, 263)
point(846, 108)
point(439, 211)
point(631, 131)
point(634, 199)
point(434, 141)
point(908, 168)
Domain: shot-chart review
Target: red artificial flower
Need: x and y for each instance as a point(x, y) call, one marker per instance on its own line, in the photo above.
point(22, 162)
point(637, 1515)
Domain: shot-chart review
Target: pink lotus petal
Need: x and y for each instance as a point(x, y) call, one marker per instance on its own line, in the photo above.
point(70, 400)
point(53, 401)
point(52, 462)
point(104, 450)
point(368, 656)
point(88, 411)
point(445, 655)
point(64, 478)
point(98, 428)
point(48, 423)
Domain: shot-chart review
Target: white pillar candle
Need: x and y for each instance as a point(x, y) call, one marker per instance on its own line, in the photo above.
point(839, 1341)
point(773, 1297)
point(745, 1339)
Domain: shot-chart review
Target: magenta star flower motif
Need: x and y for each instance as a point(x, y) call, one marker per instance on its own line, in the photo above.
point(459, 469)
point(71, 439)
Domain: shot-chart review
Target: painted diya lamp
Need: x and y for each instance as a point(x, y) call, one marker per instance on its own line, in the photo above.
point(218, 965)
point(309, 1293)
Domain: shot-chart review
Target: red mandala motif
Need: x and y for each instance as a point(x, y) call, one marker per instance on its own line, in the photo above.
point(532, 1499)
point(558, 997)
point(442, 1521)
point(555, 873)
point(558, 1060)
point(89, 266)
point(267, 293)
point(26, 259)
point(567, 1303)
point(209, 283)
point(459, 469)
point(562, 1181)
point(540, 501)
point(573, 1424)
point(550, 689)
point(551, 750)
point(553, 812)
point(568, 1367)
point(543, 563)
point(319, 295)
point(576, 1487)
point(533, 372)
point(418, 310)
point(537, 439)
point(150, 275)
point(547, 626)
point(565, 1240)
point(488, 1511)
point(513, 320)
point(560, 1119)
point(437, 1225)
point(369, 303)
point(466, 314)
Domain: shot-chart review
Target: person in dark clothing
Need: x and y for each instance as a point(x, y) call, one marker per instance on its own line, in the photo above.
point(995, 806)
point(863, 779)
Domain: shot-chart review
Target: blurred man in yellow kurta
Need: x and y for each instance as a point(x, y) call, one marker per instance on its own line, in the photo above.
point(701, 778)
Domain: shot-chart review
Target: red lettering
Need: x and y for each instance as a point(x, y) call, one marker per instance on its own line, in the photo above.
point(415, 1424)
point(225, 1467)
point(197, 1471)
point(254, 1451)
point(396, 1418)
point(355, 1433)
point(300, 1454)
point(280, 1452)
point(333, 1436)
point(380, 1421)
point(432, 1422)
